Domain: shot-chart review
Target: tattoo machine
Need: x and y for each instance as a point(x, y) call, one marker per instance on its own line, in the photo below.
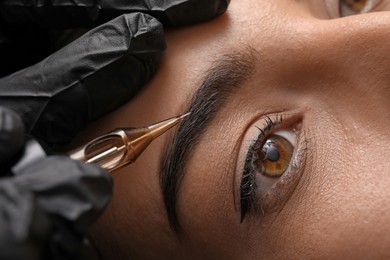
point(122, 146)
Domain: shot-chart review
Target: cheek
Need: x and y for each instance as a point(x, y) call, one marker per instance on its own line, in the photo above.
point(351, 216)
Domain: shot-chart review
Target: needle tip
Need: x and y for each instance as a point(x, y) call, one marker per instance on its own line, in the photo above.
point(185, 115)
point(163, 126)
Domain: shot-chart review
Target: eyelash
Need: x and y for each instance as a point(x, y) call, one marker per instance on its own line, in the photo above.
point(248, 181)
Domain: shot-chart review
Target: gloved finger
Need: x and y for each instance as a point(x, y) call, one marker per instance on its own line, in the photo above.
point(91, 76)
point(23, 227)
point(35, 21)
point(11, 134)
point(16, 54)
point(76, 191)
point(70, 13)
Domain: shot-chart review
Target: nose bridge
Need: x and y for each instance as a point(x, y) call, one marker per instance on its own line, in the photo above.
point(343, 64)
point(353, 49)
point(361, 41)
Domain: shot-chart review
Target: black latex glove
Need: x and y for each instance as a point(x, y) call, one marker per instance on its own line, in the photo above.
point(96, 73)
point(46, 208)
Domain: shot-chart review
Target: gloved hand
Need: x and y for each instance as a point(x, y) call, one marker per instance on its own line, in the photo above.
point(94, 74)
point(47, 207)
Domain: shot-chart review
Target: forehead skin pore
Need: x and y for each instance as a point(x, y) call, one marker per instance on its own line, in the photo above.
point(331, 74)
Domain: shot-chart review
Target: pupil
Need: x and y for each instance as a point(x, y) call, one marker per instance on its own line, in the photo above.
point(271, 153)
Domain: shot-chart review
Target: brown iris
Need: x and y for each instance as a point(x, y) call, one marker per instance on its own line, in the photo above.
point(275, 156)
point(355, 5)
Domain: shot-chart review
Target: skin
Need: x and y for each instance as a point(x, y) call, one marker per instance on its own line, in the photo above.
point(327, 75)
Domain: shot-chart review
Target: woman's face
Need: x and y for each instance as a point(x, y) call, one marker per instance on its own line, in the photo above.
point(286, 152)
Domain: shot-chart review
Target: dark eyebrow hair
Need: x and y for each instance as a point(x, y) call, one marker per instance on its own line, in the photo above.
point(225, 76)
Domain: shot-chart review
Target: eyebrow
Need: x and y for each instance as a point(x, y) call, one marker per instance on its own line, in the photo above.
point(226, 75)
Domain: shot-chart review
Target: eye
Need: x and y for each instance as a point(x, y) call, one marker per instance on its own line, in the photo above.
point(275, 156)
point(352, 7)
point(273, 164)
